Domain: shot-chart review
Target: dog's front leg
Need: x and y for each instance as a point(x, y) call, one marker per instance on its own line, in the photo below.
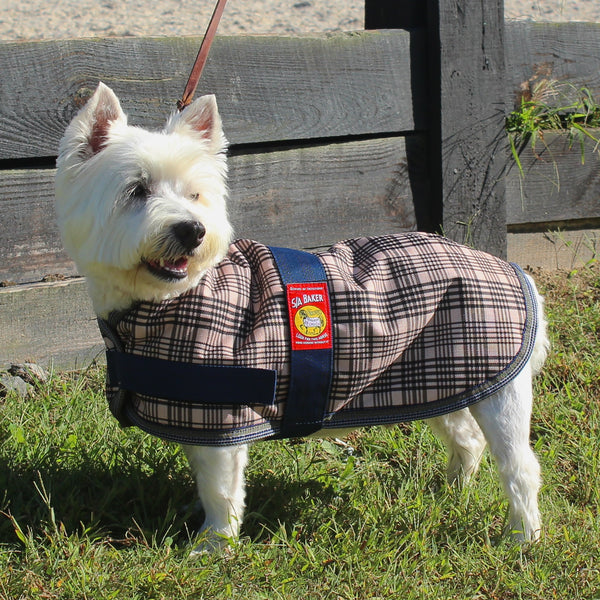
point(219, 475)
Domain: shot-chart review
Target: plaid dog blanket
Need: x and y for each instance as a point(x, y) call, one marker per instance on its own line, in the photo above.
point(419, 326)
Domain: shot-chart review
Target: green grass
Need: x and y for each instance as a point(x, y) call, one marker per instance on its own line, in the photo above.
point(90, 511)
point(549, 105)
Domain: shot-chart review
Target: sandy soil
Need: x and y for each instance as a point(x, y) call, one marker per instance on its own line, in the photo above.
point(54, 19)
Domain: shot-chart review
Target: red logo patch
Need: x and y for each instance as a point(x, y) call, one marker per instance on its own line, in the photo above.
point(310, 316)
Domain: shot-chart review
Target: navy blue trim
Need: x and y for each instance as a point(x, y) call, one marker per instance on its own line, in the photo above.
point(310, 370)
point(190, 383)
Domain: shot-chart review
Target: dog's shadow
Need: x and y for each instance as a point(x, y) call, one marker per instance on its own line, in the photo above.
point(147, 501)
point(275, 502)
point(141, 501)
point(144, 501)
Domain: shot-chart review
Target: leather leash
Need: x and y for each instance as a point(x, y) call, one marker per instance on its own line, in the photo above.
point(200, 61)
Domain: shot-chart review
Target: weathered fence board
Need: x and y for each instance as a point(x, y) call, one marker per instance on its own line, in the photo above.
point(269, 89)
point(30, 245)
point(306, 196)
point(314, 196)
point(48, 323)
point(565, 52)
point(560, 184)
point(557, 249)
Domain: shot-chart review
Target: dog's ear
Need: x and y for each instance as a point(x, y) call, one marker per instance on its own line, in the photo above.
point(105, 110)
point(201, 118)
point(90, 127)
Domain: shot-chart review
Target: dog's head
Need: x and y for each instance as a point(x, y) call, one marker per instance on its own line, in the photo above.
point(142, 213)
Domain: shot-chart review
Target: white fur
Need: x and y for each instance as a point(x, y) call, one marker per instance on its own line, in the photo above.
point(106, 234)
point(111, 233)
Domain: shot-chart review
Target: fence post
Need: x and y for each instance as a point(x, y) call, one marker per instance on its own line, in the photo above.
point(394, 14)
point(467, 145)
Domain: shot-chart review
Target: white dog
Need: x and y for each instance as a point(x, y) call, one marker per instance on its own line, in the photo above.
point(143, 215)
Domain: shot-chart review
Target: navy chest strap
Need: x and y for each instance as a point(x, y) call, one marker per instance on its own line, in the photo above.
point(310, 338)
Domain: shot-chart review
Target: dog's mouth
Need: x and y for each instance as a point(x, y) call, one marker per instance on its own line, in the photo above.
point(168, 269)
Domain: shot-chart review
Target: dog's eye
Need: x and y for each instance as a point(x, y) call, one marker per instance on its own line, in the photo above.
point(139, 192)
point(194, 197)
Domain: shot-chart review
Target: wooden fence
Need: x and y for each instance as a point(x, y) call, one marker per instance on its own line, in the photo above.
point(331, 136)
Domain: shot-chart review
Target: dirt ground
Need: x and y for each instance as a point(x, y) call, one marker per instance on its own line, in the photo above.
point(54, 19)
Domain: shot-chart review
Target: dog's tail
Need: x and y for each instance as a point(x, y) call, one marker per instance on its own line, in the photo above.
point(541, 347)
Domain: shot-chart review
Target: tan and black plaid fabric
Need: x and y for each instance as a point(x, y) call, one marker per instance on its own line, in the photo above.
point(422, 326)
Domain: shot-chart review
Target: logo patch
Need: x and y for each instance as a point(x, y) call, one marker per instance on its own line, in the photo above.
point(310, 316)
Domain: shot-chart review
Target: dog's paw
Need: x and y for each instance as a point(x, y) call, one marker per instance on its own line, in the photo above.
point(211, 542)
point(523, 536)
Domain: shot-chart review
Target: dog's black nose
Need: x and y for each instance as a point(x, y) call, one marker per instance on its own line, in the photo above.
point(189, 234)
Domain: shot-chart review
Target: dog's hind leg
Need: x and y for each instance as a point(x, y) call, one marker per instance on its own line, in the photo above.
point(220, 480)
point(464, 442)
point(504, 419)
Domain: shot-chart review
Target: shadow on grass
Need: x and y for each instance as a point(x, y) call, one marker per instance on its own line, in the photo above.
point(274, 501)
point(139, 498)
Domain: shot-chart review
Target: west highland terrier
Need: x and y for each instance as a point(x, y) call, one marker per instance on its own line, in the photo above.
point(452, 334)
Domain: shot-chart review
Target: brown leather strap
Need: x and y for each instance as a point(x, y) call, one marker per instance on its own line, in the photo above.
point(194, 77)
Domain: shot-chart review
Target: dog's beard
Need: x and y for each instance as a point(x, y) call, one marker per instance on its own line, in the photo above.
point(186, 249)
point(168, 261)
